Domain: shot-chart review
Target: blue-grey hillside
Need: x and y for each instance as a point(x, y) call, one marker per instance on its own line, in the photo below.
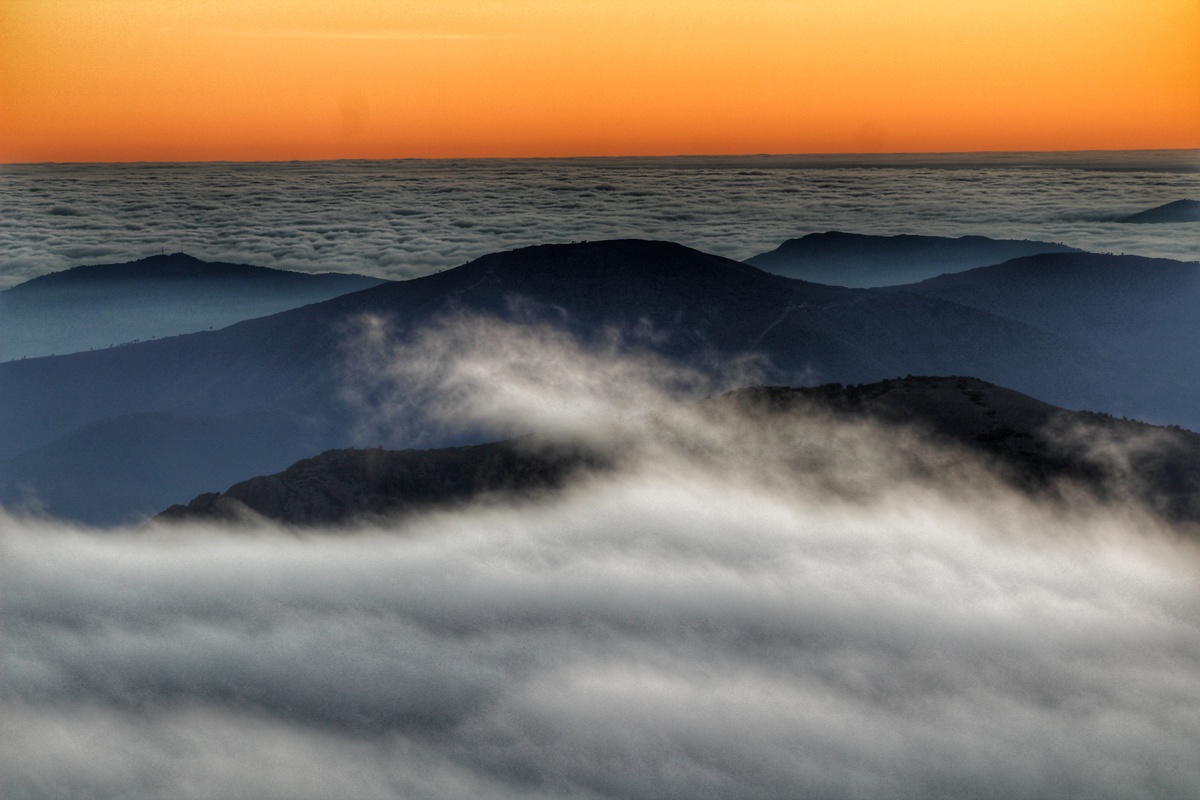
point(855, 259)
point(1141, 312)
point(283, 376)
point(101, 305)
point(109, 471)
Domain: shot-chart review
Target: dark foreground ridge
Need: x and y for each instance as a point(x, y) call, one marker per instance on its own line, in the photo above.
point(1034, 446)
point(1177, 211)
point(356, 484)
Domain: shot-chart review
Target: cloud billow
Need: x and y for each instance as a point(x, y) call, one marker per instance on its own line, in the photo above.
point(400, 219)
point(647, 638)
point(726, 614)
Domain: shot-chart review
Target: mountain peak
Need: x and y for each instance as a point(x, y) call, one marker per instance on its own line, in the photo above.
point(178, 257)
point(862, 260)
point(1175, 211)
point(162, 266)
point(623, 256)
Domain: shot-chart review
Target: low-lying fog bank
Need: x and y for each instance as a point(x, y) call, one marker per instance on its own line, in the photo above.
point(817, 611)
point(661, 634)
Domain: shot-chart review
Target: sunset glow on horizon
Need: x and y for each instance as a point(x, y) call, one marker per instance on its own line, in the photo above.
point(184, 80)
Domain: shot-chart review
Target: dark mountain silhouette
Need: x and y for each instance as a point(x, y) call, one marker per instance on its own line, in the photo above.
point(340, 486)
point(853, 259)
point(1035, 446)
point(1140, 311)
point(100, 305)
point(285, 372)
point(1177, 211)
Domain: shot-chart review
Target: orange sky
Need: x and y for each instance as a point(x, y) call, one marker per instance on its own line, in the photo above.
point(168, 80)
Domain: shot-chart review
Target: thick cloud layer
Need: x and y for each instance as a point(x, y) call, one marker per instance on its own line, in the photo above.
point(405, 218)
point(663, 635)
point(739, 611)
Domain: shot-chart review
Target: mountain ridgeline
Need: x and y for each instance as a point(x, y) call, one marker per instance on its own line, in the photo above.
point(1033, 446)
point(859, 260)
point(100, 305)
point(263, 393)
point(1140, 313)
point(363, 485)
point(1176, 211)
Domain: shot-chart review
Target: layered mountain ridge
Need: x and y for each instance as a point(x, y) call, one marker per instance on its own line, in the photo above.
point(280, 380)
point(863, 261)
point(102, 305)
point(1033, 446)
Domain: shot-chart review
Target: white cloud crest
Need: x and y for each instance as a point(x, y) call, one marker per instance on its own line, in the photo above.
point(793, 612)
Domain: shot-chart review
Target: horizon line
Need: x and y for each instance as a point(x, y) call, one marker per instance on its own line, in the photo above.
point(632, 156)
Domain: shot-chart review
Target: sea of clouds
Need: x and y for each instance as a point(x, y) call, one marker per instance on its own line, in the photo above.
point(809, 609)
point(400, 219)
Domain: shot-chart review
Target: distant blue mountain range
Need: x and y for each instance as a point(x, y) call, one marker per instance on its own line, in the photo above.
point(101, 305)
point(859, 260)
point(1081, 331)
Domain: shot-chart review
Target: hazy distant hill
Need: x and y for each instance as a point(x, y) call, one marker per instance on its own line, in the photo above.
point(853, 259)
point(1140, 311)
point(285, 372)
point(1178, 211)
point(115, 470)
point(99, 305)
point(1032, 444)
point(696, 304)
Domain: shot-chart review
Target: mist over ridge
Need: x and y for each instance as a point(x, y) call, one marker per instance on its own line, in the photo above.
point(813, 609)
point(290, 379)
point(686, 529)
